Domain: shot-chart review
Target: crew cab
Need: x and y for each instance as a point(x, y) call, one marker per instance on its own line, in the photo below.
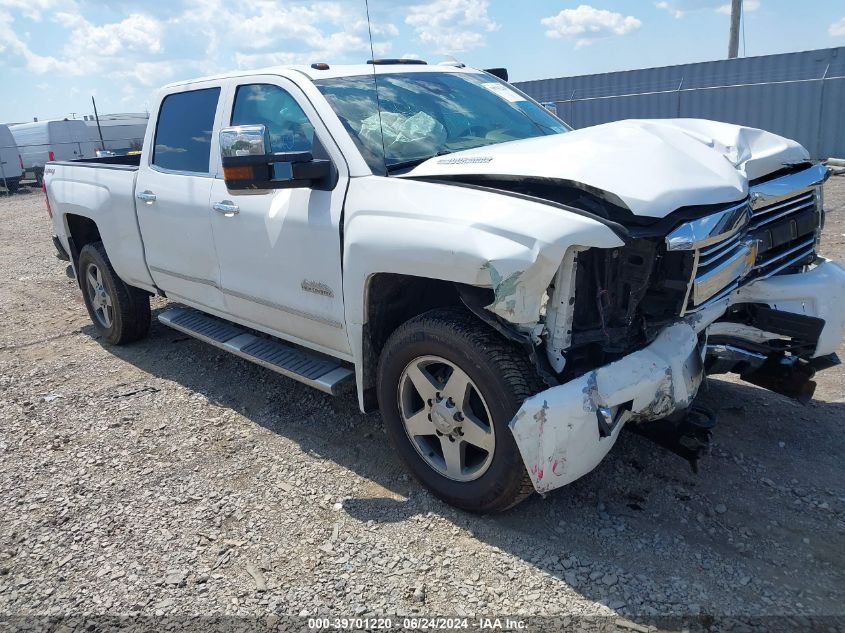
point(509, 293)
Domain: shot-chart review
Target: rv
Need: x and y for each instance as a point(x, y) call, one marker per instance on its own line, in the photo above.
point(11, 166)
point(43, 141)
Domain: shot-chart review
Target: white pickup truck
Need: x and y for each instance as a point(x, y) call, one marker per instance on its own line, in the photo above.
point(508, 292)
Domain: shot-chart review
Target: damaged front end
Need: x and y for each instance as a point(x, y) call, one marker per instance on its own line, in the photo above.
point(619, 351)
point(630, 332)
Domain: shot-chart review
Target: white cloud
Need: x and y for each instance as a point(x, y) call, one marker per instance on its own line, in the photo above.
point(747, 7)
point(274, 23)
point(118, 47)
point(837, 29)
point(258, 33)
point(679, 8)
point(587, 23)
point(260, 60)
point(384, 30)
point(265, 33)
point(137, 33)
point(142, 45)
point(667, 6)
point(333, 46)
point(150, 73)
point(39, 64)
point(451, 26)
point(32, 9)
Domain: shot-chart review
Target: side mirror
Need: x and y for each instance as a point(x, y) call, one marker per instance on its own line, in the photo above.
point(247, 164)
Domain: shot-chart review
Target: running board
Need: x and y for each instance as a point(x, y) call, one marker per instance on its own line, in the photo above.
point(320, 372)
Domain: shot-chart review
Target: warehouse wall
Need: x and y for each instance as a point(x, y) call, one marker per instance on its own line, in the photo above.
point(797, 95)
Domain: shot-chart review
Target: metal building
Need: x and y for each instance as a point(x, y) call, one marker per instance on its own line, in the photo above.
point(797, 95)
point(120, 131)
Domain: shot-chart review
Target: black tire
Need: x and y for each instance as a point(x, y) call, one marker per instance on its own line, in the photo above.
point(503, 376)
point(130, 306)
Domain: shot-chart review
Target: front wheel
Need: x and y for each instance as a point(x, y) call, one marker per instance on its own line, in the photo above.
point(120, 313)
point(448, 388)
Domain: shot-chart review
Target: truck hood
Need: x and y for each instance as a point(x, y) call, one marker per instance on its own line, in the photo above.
point(652, 166)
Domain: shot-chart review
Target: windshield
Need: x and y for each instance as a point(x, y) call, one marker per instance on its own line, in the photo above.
point(432, 113)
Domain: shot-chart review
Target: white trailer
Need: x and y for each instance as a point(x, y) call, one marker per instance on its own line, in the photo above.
point(11, 167)
point(120, 132)
point(43, 141)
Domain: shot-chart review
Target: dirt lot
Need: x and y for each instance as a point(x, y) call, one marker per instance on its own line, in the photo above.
point(167, 478)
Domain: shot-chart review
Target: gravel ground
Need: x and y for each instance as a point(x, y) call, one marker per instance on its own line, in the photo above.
point(168, 478)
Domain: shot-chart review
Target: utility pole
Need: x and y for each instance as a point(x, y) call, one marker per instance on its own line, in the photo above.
point(736, 15)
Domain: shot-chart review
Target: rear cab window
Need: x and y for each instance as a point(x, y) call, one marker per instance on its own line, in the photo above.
point(184, 129)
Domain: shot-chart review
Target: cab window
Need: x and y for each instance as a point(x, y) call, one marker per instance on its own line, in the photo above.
point(183, 132)
point(288, 127)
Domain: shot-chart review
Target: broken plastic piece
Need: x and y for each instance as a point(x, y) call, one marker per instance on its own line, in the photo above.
point(558, 431)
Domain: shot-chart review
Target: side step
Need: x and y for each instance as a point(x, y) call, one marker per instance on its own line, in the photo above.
point(320, 372)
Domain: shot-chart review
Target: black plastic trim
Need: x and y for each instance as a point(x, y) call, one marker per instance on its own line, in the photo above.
point(91, 163)
point(825, 362)
point(61, 253)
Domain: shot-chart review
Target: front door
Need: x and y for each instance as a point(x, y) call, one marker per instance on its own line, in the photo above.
point(173, 190)
point(279, 250)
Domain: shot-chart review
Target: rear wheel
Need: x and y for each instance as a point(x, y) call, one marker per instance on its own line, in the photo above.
point(120, 313)
point(448, 388)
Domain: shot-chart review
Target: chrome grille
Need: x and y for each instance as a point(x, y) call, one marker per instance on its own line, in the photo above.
point(778, 233)
point(722, 254)
point(718, 271)
point(761, 216)
point(786, 230)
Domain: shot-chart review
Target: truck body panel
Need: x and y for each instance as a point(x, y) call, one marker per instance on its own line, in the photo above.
point(104, 194)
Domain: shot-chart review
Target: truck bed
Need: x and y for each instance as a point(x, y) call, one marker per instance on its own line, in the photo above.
point(102, 190)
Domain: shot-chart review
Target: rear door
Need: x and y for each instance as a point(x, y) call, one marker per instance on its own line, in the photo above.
point(33, 143)
point(63, 142)
point(172, 196)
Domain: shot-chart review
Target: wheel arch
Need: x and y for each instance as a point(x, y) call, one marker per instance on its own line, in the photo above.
point(391, 299)
point(81, 231)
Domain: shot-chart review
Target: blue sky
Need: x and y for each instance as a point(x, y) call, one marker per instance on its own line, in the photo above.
point(54, 54)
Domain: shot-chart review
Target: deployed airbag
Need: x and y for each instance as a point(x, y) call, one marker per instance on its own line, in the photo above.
point(405, 137)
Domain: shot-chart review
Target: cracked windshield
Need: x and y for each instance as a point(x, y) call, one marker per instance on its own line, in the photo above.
point(427, 114)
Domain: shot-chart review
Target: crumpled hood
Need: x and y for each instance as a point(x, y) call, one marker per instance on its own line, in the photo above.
point(653, 166)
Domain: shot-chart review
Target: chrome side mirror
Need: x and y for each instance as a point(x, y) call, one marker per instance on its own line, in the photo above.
point(244, 140)
point(249, 163)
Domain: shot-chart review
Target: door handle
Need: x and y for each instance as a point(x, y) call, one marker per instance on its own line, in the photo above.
point(227, 208)
point(147, 196)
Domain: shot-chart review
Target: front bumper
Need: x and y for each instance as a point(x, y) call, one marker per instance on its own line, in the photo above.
point(819, 292)
point(564, 432)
